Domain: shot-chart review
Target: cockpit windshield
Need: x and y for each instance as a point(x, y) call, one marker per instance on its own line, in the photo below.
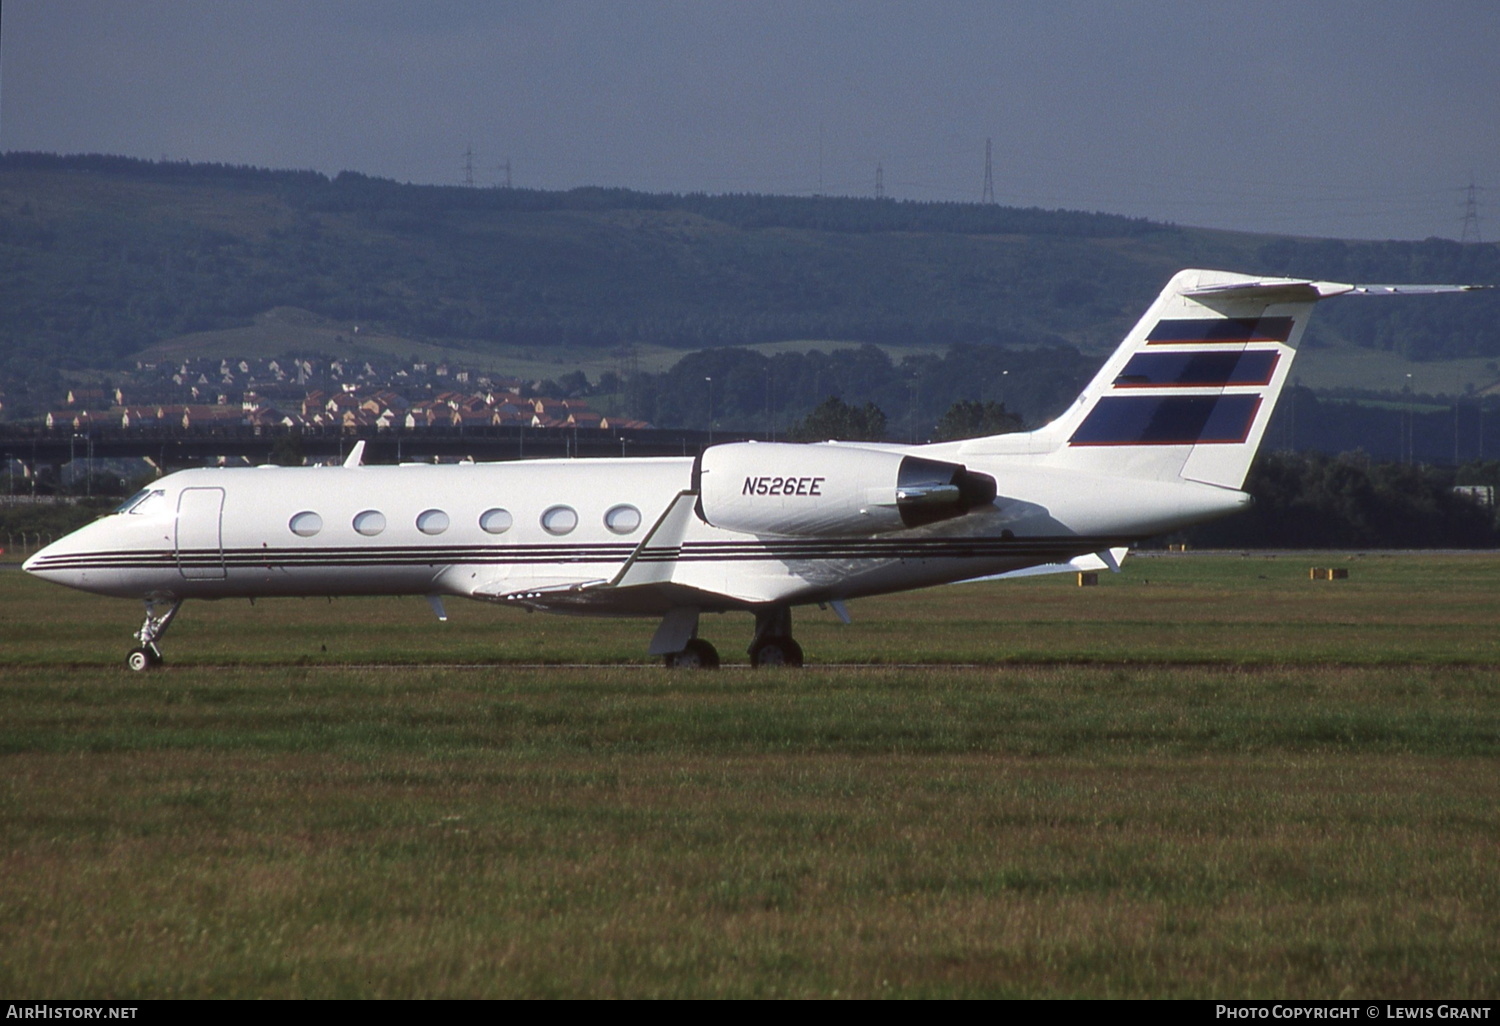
point(143, 501)
point(125, 506)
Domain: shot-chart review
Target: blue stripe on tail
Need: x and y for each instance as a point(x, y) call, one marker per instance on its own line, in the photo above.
point(1168, 420)
point(1220, 331)
point(1198, 370)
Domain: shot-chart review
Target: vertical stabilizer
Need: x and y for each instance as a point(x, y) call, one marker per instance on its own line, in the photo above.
point(1190, 390)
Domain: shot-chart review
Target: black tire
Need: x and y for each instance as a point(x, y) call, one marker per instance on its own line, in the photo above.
point(776, 651)
point(698, 655)
point(140, 660)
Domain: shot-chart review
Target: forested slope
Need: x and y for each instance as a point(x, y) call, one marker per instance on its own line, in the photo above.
point(102, 256)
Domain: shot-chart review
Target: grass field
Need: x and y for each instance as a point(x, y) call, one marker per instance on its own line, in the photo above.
point(284, 330)
point(1380, 370)
point(290, 330)
point(1209, 776)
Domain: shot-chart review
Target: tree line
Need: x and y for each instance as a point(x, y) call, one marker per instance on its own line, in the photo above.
point(736, 388)
point(95, 266)
point(1313, 501)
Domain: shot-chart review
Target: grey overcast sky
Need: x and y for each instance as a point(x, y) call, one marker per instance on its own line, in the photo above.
point(1351, 118)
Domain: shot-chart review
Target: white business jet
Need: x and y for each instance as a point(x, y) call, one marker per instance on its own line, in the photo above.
point(1160, 439)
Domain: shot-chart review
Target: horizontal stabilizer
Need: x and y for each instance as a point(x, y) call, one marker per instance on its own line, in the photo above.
point(1413, 290)
point(1294, 290)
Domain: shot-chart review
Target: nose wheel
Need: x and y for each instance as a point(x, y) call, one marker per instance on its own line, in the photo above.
point(142, 659)
point(148, 656)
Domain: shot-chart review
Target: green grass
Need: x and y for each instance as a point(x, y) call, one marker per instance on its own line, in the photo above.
point(1380, 370)
point(287, 330)
point(1089, 812)
point(1225, 609)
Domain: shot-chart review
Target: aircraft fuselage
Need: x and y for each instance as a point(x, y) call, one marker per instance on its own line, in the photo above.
point(554, 534)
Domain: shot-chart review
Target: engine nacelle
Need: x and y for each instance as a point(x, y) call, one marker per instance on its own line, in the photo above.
point(829, 489)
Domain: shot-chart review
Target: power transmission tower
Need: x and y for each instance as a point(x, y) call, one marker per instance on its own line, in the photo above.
point(989, 175)
point(1470, 231)
point(879, 181)
point(505, 169)
point(469, 166)
point(820, 159)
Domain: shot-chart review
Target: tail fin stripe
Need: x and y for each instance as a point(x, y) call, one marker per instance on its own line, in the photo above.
point(1198, 370)
point(1168, 420)
point(1219, 331)
point(1190, 389)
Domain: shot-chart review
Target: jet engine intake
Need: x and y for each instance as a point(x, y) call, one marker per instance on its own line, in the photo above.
point(829, 489)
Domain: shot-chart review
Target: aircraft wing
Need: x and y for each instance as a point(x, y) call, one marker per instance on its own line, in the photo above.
point(646, 572)
point(655, 557)
point(1107, 559)
point(537, 591)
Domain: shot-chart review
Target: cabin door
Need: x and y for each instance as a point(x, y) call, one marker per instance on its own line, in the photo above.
point(200, 536)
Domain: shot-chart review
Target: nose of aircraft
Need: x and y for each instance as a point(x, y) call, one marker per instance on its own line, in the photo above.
point(45, 561)
point(66, 561)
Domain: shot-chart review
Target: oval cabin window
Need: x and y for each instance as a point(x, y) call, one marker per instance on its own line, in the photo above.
point(306, 524)
point(496, 521)
point(622, 519)
point(559, 520)
point(369, 523)
point(432, 521)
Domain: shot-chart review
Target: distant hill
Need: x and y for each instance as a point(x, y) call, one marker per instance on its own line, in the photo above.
point(102, 257)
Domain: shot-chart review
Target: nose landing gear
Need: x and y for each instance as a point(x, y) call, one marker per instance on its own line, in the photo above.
point(148, 656)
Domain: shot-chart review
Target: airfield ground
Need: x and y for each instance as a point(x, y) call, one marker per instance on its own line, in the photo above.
point(1208, 776)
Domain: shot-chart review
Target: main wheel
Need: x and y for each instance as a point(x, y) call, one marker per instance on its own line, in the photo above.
point(698, 655)
point(139, 660)
point(776, 651)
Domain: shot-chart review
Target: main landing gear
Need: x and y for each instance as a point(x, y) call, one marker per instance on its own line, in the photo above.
point(678, 644)
point(773, 644)
point(148, 656)
point(696, 655)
